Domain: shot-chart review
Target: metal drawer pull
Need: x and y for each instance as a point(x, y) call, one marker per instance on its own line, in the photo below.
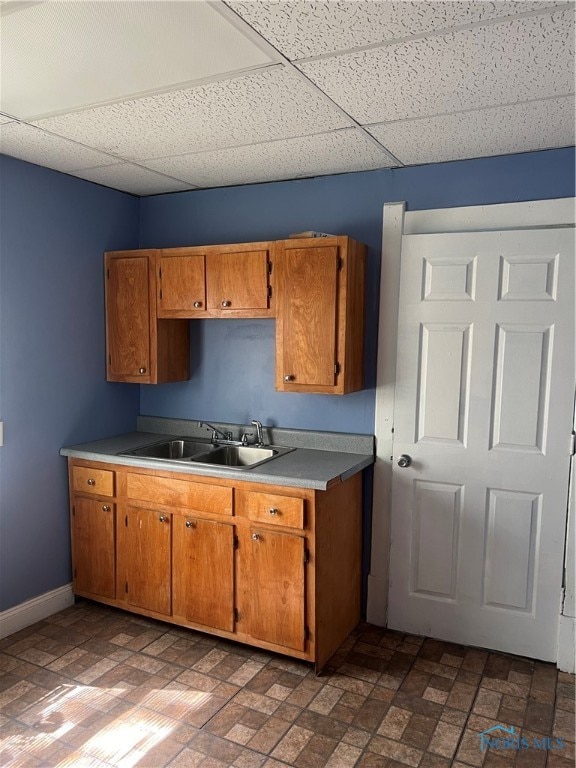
point(142, 370)
point(105, 508)
point(190, 524)
point(289, 377)
point(272, 511)
point(163, 519)
point(226, 303)
point(90, 481)
point(256, 537)
point(197, 304)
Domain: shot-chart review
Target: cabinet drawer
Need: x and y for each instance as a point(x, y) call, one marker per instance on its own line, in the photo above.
point(196, 497)
point(275, 509)
point(97, 481)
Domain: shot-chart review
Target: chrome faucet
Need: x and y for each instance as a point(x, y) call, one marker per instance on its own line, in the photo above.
point(215, 432)
point(259, 433)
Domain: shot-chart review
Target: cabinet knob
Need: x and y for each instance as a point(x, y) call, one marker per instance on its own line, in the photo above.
point(190, 524)
point(142, 370)
point(256, 537)
point(197, 304)
point(226, 303)
point(289, 377)
point(91, 481)
point(272, 511)
point(163, 519)
point(105, 508)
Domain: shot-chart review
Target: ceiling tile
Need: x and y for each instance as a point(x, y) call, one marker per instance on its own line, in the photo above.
point(273, 104)
point(58, 56)
point(494, 131)
point(301, 28)
point(132, 178)
point(337, 152)
point(500, 63)
point(36, 146)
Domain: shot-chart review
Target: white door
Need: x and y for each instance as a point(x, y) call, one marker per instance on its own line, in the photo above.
point(484, 394)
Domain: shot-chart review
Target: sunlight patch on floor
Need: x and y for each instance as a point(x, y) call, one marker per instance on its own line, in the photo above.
point(51, 723)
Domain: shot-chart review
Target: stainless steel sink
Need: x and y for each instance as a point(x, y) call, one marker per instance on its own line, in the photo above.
point(238, 456)
point(218, 454)
point(179, 450)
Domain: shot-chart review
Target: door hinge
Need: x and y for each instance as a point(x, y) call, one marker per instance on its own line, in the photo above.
point(306, 555)
point(573, 443)
point(236, 542)
point(236, 615)
point(126, 587)
point(269, 291)
point(339, 263)
point(269, 267)
point(73, 511)
point(126, 521)
point(160, 293)
point(108, 274)
point(109, 359)
point(336, 369)
point(160, 273)
point(306, 633)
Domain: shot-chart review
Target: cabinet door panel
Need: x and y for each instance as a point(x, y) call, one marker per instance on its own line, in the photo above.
point(93, 545)
point(203, 572)
point(277, 607)
point(308, 309)
point(182, 286)
point(237, 280)
point(128, 316)
point(148, 546)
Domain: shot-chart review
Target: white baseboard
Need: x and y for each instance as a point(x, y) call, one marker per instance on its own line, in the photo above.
point(377, 604)
point(36, 609)
point(566, 644)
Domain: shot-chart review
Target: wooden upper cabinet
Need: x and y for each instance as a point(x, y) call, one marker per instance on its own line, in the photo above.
point(237, 281)
point(182, 283)
point(215, 281)
point(320, 315)
point(140, 348)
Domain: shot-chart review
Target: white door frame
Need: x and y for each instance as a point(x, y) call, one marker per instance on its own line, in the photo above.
point(397, 222)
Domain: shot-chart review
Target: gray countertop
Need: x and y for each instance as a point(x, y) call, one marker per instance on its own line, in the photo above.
point(304, 467)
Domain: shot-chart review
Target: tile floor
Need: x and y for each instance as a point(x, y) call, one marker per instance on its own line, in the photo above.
point(96, 687)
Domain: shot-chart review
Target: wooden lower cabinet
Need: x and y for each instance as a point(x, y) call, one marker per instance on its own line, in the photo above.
point(272, 566)
point(203, 572)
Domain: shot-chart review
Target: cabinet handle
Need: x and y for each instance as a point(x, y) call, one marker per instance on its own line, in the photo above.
point(105, 508)
point(272, 511)
point(289, 377)
point(142, 370)
point(163, 519)
point(190, 524)
point(197, 304)
point(90, 481)
point(226, 303)
point(256, 537)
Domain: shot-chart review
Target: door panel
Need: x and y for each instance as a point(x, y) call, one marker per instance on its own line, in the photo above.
point(203, 572)
point(182, 284)
point(237, 280)
point(277, 582)
point(128, 316)
point(93, 526)
point(148, 547)
point(484, 395)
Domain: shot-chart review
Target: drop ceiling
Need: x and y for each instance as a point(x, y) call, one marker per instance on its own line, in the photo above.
point(159, 96)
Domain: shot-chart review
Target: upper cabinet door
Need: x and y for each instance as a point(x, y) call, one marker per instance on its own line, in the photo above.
point(308, 309)
point(128, 317)
point(237, 282)
point(182, 283)
point(320, 315)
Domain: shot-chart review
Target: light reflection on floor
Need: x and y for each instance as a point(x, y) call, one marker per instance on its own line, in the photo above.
point(123, 742)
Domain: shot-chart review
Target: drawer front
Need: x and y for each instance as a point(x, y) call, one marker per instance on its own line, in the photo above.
point(196, 497)
point(97, 481)
point(275, 509)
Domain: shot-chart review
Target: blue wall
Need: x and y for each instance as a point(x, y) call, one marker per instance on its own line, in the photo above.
point(233, 361)
point(53, 230)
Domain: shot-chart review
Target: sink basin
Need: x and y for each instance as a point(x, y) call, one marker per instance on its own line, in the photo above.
point(238, 456)
point(181, 449)
point(218, 454)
